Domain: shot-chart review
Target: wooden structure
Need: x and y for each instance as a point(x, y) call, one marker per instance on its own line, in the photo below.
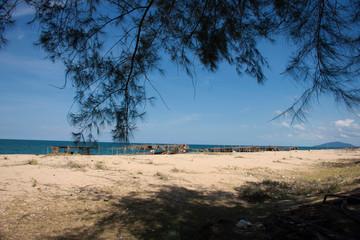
point(244, 149)
point(183, 148)
point(70, 150)
point(152, 149)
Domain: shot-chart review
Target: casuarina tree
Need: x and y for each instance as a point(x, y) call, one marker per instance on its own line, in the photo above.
point(110, 47)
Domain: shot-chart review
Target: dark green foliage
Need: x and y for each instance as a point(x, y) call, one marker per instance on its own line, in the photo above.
point(275, 190)
point(110, 47)
point(6, 10)
point(326, 34)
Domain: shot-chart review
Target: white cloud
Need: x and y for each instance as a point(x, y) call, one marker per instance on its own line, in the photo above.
point(344, 136)
point(347, 123)
point(300, 127)
point(312, 134)
point(285, 124)
point(347, 128)
point(320, 136)
point(321, 128)
point(186, 119)
point(344, 123)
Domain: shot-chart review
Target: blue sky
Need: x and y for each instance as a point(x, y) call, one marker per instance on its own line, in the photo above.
point(224, 109)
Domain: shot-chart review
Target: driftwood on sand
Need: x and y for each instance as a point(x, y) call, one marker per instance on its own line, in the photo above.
point(333, 220)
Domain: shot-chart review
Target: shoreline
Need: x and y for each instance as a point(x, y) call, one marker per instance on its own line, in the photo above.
point(106, 148)
point(287, 149)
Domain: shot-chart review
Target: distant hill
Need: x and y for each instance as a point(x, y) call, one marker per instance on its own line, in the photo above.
point(335, 145)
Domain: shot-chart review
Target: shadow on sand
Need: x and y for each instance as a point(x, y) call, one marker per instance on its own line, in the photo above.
point(179, 213)
point(173, 213)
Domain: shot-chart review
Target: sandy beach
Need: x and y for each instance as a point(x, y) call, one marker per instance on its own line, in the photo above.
point(99, 197)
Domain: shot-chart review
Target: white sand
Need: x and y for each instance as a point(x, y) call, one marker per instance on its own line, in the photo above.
point(52, 199)
point(147, 173)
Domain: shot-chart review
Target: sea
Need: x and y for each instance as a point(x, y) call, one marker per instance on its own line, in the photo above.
point(11, 146)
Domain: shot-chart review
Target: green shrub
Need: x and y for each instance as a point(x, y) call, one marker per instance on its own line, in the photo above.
point(33, 182)
point(99, 165)
point(73, 164)
point(162, 176)
point(32, 162)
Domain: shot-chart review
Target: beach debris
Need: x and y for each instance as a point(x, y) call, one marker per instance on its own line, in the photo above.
point(337, 219)
point(353, 214)
point(243, 224)
point(227, 229)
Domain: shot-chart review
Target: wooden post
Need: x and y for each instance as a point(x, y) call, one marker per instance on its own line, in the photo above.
point(55, 150)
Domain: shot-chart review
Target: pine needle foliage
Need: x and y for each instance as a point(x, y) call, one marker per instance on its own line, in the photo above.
point(110, 47)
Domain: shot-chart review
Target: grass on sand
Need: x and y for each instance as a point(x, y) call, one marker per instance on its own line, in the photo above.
point(171, 212)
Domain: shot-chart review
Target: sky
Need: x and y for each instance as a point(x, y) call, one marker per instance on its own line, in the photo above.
point(217, 108)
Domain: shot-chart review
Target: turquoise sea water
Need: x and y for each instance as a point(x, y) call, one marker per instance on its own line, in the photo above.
point(43, 146)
